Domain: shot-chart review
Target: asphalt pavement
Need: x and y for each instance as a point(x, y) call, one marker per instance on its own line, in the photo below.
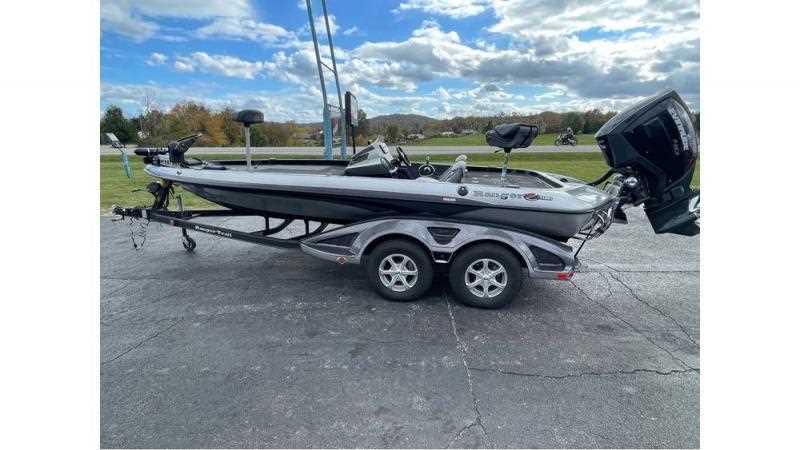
point(410, 149)
point(239, 345)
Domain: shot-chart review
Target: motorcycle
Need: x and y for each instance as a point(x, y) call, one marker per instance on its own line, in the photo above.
point(564, 139)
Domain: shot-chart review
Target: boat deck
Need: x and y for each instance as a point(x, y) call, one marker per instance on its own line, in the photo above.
point(475, 175)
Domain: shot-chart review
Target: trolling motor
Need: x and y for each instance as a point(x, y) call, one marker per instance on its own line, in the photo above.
point(509, 136)
point(248, 117)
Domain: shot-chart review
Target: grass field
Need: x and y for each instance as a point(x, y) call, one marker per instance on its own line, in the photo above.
point(479, 139)
point(116, 188)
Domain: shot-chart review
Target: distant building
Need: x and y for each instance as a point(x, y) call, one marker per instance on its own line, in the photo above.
point(415, 136)
point(468, 131)
point(448, 133)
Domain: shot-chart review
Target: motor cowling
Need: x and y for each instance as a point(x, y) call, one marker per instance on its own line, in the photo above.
point(656, 139)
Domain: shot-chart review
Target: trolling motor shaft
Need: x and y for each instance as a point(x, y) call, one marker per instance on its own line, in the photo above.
point(506, 156)
point(248, 117)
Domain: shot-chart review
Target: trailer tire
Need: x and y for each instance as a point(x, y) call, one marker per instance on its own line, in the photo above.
point(485, 276)
point(399, 270)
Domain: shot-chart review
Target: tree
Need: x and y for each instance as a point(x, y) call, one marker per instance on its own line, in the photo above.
point(189, 118)
point(363, 125)
point(594, 119)
point(257, 136)
point(230, 128)
point(277, 134)
point(392, 134)
point(114, 121)
point(151, 125)
point(572, 120)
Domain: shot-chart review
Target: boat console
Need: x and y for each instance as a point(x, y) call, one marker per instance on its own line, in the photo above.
point(374, 161)
point(377, 160)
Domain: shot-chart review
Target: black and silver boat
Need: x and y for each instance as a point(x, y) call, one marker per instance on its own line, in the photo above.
point(503, 219)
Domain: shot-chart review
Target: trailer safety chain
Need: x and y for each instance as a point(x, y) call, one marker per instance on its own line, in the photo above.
point(138, 231)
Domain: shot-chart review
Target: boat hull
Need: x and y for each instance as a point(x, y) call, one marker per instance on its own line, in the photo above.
point(345, 209)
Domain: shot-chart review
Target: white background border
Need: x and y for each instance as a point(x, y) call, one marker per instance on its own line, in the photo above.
point(50, 223)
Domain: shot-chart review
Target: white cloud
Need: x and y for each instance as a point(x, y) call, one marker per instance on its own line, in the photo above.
point(626, 67)
point(229, 66)
point(428, 53)
point(247, 29)
point(636, 46)
point(319, 24)
point(457, 9)
point(192, 9)
point(298, 104)
point(299, 67)
point(184, 66)
point(598, 73)
point(117, 17)
point(132, 97)
point(538, 18)
point(549, 63)
point(137, 19)
point(350, 31)
point(156, 59)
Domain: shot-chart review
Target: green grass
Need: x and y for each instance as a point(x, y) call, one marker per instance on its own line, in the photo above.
point(479, 139)
point(116, 188)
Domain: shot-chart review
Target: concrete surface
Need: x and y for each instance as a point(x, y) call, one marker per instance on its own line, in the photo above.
point(410, 149)
point(239, 345)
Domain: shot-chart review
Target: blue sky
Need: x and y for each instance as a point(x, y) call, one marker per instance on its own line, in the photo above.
point(440, 58)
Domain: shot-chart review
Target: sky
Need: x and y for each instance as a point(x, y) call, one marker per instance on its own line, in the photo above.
point(440, 58)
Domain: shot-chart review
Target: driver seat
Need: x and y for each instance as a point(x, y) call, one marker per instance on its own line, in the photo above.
point(511, 135)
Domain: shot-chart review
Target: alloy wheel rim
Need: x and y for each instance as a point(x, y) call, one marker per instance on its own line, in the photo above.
point(398, 272)
point(486, 278)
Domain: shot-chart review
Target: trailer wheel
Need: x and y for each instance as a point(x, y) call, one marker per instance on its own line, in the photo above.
point(399, 270)
point(188, 243)
point(485, 276)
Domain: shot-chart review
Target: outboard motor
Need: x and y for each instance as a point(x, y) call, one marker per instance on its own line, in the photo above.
point(656, 139)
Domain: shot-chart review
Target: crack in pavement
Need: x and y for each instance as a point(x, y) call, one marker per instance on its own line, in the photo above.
point(140, 343)
point(614, 269)
point(156, 334)
point(638, 331)
point(593, 374)
point(112, 317)
point(652, 271)
point(461, 433)
point(655, 308)
point(601, 263)
point(463, 350)
point(109, 294)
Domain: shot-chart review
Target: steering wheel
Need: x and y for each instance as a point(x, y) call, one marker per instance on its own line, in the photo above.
point(403, 157)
